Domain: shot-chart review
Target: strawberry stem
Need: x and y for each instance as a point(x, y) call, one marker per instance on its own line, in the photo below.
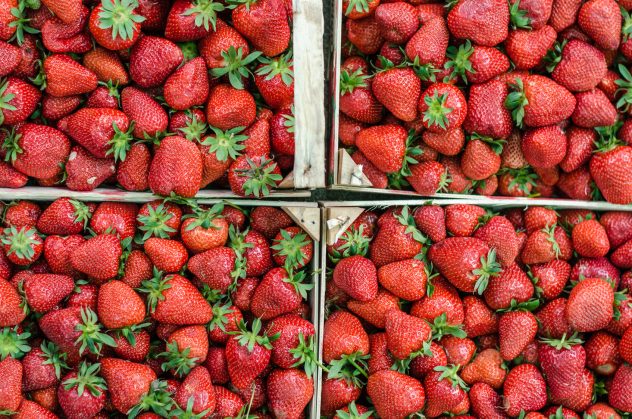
point(91, 337)
point(489, 267)
point(516, 102)
point(155, 223)
point(119, 16)
point(177, 361)
point(459, 61)
point(13, 343)
point(291, 247)
point(53, 356)
point(278, 66)
point(205, 12)
point(235, 66)
point(87, 378)
point(226, 144)
point(158, 400)
point(450, 372)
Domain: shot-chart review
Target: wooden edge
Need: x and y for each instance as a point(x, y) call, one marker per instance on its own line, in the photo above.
point(309, 94)
point(316, 318)
point(338, 220)
point(350, 173)
point(320, 326)
point(336, 62)
point(287, 182)
point(307, 218)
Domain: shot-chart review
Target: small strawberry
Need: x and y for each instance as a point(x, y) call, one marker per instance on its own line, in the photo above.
point(107, 66)
point(594, 109)
point(189, 21)
point(486, 401)
point(274, 79)
point(22, 246)
point(478, 318)
point(279, 292)
point(166, 255)
point(150, 119)
point(176, 168)
point(356, 96)
point(528, 48)
point(67, 10)
point(486, 368)
point(602, 353)
point(186, 348)
point(12, 311)
point(606, 167)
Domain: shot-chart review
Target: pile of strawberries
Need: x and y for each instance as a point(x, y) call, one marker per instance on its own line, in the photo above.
point(506, 97)
point(166, 95)
point(154, 310)
point(458, 311)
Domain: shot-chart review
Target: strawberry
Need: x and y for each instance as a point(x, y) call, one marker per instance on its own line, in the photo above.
point(544, 147)
point(475, 64)
point(44, 291)
point(127, 382)
point(487, 115)
point(12, 312)
point(67, 10)
point(82, 392)
point(274, 79)
point(484, 22)
point(289, 392)
point(356, 96)
point(57, 67)
point(253, 176)
point(67, 37)
point(115, 216)
point(485, 401)
point(444, 299)
point(176, 167)
point(159, 219)
point(486, 368)
point(166, 255)
point(550, 278)
point(344, 337)
point(537, 12)
point(462, 219)
point(527, 48)
point(618, 396)
point(516, 329)
point(539, 101)
point(512, 285)
point(617, 227)
point(602, 410)
point(395, 395)
point(229, 108)
point(104, 97)
point(152, 60)
point(189, 21)
point(580, 146)
point(55, 108)
point(98, 257)
point(590, 305)
point(11, 178)
point(248, 354)
point(106, 65)
point(216, 267)
point(405, 334)
point(470, 268)
point(42, 367)
point(397, 239)
point(279, 292)
point(18, 100)
point(22, 246)
point(601, 20)
point(590, 239)
point(406, 279)
point(398, 22)
point(445, 391)
point(354, 9)
point(102, 131)
point(150, 119)
point(196, 393)
point(605, 168)
point(64, 216)
point(579, 58)
point(524, 380)
point(375, 310)
point(507, 248)
point(545, 245)
point(398, 89)
point(357, 276)
point(430, 220)
point(427, 47)
point(11, 386)
point(119, 306)
point(478, 318)
point(214, 49)
point(593, 110)
point(264, 23)
point(188, 86)
point(364, 34)
point(602, 353)
point(115, 25)
point(174, 300)
point(186, 347)
point(282, 132)
point(449, 142)
point(443, 107)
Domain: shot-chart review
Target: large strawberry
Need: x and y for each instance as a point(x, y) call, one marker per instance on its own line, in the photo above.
point(115, 25)
point(102, 131)
point(152, 60)
point(384, 146)
point(188, 86)
point(398, 89)
point(606, 168)
point(264, 23)
point(18, 100)
point(248, 354)
point(150, 119)
point(66, 77)
point(394, 394)
point(82, 392)
point(289, 392)
point(485, 22)
point(176, 167)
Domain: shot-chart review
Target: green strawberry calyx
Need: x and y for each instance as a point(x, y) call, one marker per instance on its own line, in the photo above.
point(353, 413)
point(440, 328)
point(305, 355)
point(236, 66)
point(129, 333)
point(194, 128)
point(353, 368)
point(155, 224)
point(260, 177)
point(204, 217)
point(205, 13)
point(187, 413)
point(529, 305)
point(220, 316)
point(450, 372)
point(519, 17)
point(405, 218)
point(13, 343)
point(277, 66)
point(522, 179)
point(87, 379)
point(120, 142)
point(565, 342)
point(426, 72)
point(53, 356)
point(11, 143)
point(291, 248)
point(554, 56)
point(549, 231)
point(237, 241)
point(626, 27)
point(158, 399)
point(91, 337)
point(297, 281)
point(496, 145)
point(21, 23)
point(119, 16)
point(516, 102)
point(250, 338)
point(360, 6)
point(625, 88)
point(82, 212)
point(607, 138)
point(459, 61)
point(5, 99)
point(226, 144)
point(354, 242)
point(489, 267)
point(289, 121)
point(21, 242)
point(438, 111)
point(178, 361)
point(351, 81)
point(155, 288)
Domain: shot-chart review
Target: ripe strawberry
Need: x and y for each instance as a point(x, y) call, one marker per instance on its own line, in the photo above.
point(539, 101)
point(590, 305)
point(358, 10)
point(602, 410)
point(58, 67)
point(190, 21)
point(68, 10)
point(590, 239)
point(22, 246)
point(431, 221)
point(215, 267)
point(486, 368)
point(11, 178)
point(196, 393)
point(462, 219)
point(550, 278)
point(55, 108)
point(602, 353)
point(265, 24)
point(132, 173)
point(152, 60)
point(356, 96)
point(398, 22)
point(580, 146)
point(428, 45)
point(476, 64)
point(601, 20)
point(444, 299)
point(524, 390)
point(564, 13)
point(279, 292)
point(229, 108)
point(176, 167)
point(253, 176)
point(364, 34)
point(617, 227)
point(511, 285)
point(527, 48)
point(499, 234)
point(336, 393)
point(545, 245)
point(70, 37)
point(115, 25)
point(186, 347)
point(18, 100)
point(116, 217)
point(486, 402)
point(443, 106)
point(86, 172)
point(188, 86)
point(477, 150)
point(405, 334)
point(398, 89)
point(375, 310)
point(357, 276)
point(395, 395)
point(469, 268)
point(274, 79)
point(166, 255)
point(544, 147)
point(119, 306)
point(248, 354)
point(406, 279)
point(102, 131)
point(478, 318)
point(579, 58)
point(344, 337)
point(64, 216)
point(445, 391)
point(516, 329)
point(11, 312)
point(397, 238)
point(606, 169)
point(11, 386)
point(593, 110)
point(127, 382)
point(150, 118)
point(44, 291)
point(487, 115)
point(106, 65)
point(174, 300)
point(98, 257)
point(471, 20)
point(82, 393)
point(288, 392)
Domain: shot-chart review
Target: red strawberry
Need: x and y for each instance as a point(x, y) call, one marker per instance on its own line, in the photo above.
point(590, 305)
point(398, 21)
point(18, 100)
point(22, 246)
point(344, 336)
point(445, 391)
point(82, 393)
point(580, 146)
point(44, 291)
point(279, 292)
point(398, 90)
point(406, 279)
point(98, 257)
point(527, 48)
point(289, 392)
point(364, 34)
point(485, 22)
point(594, 110)
point(11, 178)
point(486, 368)
point(478, 318)
point(214, 267)
point(395, 395)
point(57, 69)
point(106, 65)
point(102, 131)
point(11, 312)
point(188, 86)
point(602, 353)
point(357, 277)
point(617, 225)
point(499, 234)
point(229, 108)
point(356, 96)
point(67, 37)
point(618, 396)
point(176, 167)
point(486, 402)
point(189, 21)
point(606, 168)
point(196, 393)
point(397, 238)
point(253, 176)
point(152, 60)
point(516, 329)
point(512, 285)
point(67, 10)
point(274, 79)
point(132, 173)
point(462, 219)
point(580, 58)
point(174, 300)
point(215, 46)
point(166, 255)
point(119, 306)
point(544, 147)
point(11, 385)
point(150, 119)
point(186, 348)
point(247, 354)
point(374, 311)
point(487, 114)
point(545, 245)
point(428, 45)
point(524, 389)
point(64, 216)
point(405, 334)
point(265, 24)
point(115, 25)
point(431, 221)
point(590, 239)
point(127, 382)
point(601, 20)
point(55, 108)
point(443, 106)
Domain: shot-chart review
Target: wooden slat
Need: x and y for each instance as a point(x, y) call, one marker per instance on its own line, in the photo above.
point(309, 90)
